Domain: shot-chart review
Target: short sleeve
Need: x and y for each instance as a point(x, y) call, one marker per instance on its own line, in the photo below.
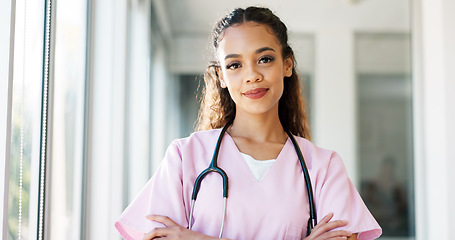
point(162, 195)
point(338, 195)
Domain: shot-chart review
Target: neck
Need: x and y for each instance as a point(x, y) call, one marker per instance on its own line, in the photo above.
point(264, 127)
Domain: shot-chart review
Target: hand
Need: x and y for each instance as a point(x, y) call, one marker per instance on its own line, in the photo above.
point(172, 230)
point(323, 229)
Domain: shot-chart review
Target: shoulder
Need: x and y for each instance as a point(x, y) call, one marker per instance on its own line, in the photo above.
point(315, 155)
point(196, 146)
point(199, 137)
point(325, 166)
point(311, 147)
point(199, 140)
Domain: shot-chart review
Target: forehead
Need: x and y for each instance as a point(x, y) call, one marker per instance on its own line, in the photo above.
point(247, 37)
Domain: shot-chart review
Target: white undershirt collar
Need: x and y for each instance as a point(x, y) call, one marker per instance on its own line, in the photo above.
point(259, 168)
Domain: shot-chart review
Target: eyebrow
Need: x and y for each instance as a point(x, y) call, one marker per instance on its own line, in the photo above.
point(260, 50)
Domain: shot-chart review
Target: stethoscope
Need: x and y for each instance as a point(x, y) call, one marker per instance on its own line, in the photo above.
point(213, 167)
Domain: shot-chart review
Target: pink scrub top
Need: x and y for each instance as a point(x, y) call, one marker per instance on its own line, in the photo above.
point(274, 208)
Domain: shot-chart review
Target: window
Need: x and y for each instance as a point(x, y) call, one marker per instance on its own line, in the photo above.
point(26, 118)
point(385, 141)
point(66, 159)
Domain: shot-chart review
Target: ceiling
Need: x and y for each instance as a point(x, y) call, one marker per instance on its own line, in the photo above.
point(198, 16)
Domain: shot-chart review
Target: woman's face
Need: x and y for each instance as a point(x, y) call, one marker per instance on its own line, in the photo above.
point(252, 67)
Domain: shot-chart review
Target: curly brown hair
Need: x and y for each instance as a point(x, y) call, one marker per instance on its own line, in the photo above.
point(217, 106)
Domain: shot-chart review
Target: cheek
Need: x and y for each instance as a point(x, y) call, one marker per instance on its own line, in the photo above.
point(278, 81)
point(232, 79)
point(276, 75)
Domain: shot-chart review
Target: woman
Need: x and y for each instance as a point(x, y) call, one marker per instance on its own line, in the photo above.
point(253, 90)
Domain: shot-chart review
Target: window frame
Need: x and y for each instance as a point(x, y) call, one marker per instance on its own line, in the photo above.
point(7, 23)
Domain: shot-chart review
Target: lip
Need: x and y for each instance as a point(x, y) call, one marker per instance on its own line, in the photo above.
point(256, 93)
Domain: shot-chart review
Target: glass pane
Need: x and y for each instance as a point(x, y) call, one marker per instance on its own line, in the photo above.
point(306, 83)
point(68, 120)
point(385, 130)
point(304, 50)
point(190, 90)
point(26, 119)
point(138, 109)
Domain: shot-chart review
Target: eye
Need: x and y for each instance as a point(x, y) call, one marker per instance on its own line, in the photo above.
point(233, 66)
point(266, 59)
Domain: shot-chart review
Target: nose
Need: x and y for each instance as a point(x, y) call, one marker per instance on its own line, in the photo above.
point(252, 74)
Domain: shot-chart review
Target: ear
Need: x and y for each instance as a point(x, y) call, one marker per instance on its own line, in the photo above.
point(219, 72)
point(288, 65)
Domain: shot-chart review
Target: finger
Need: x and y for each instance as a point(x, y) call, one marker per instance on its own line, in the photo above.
point(324, 220)
point(162, 219)
point(338, 233)
point(337, 223)
point(333, 224)
point(324, 227)
point(327, 217)
point(156, 233)
point(166, 232)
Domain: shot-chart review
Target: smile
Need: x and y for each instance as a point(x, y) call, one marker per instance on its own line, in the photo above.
point(256, 93)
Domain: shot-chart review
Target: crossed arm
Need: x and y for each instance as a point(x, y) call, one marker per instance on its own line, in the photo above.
point(175, 231)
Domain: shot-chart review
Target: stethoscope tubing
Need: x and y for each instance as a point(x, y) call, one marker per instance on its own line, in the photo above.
point(313, 217)
point(213, 167)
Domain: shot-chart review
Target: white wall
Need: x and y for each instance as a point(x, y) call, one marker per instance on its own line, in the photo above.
point(434, 118)
point(449, 58)
point(335, 97)
point(106, 118)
